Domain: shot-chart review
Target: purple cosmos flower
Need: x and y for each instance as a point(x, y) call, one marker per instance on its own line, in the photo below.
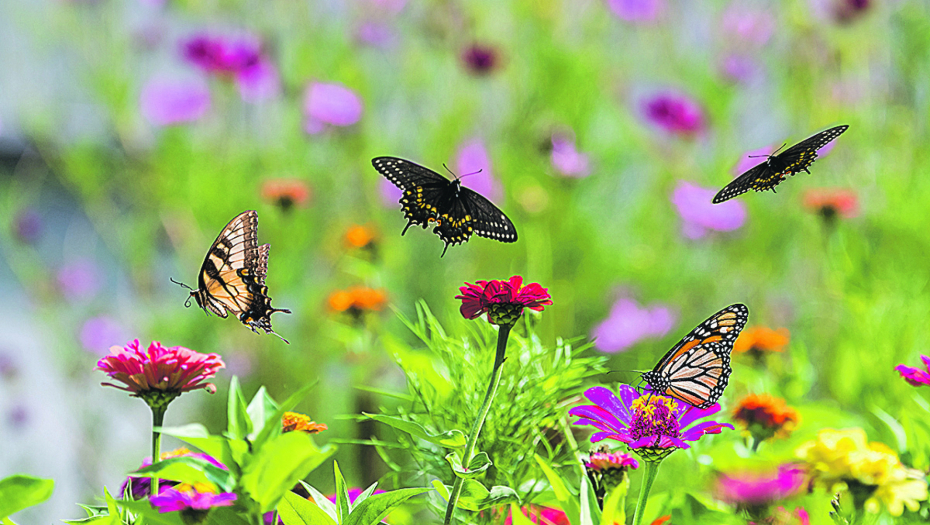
point(674, 113)
point(376, 34)
point(8, 368)
point(566, 158)
point(916, 376)
point(389, 193)
point(747, 25)
point(754, 489)
point(699, 214)
point(100, 332)
point(141, 487)
point(221, 55)
point(627, 324)
point(647, 423)
point(480, 59)
point(27, 226)
point(472, 157)
point(186, 498)
point(165, 102)
point(18, 416)
point(740, 68)
point(258, 82)
point(78, 280)
point(330, 105)
point(636, 11)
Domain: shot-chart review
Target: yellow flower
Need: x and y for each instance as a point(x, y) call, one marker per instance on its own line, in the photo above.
point(872, 471)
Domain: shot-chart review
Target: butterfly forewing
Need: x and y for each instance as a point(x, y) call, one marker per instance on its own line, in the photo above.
point(232, 277)
point(457, 212)
point(776, 168)
point(697, 369)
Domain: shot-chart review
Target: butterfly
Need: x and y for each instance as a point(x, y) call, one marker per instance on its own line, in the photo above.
point(778, 166)
point(697, 369)
point(232, 277)
point(457, 211)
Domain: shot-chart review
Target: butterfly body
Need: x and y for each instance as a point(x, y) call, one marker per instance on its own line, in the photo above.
point(697, 369)
point(232, 277)
point(777, 167)
point(456, 212)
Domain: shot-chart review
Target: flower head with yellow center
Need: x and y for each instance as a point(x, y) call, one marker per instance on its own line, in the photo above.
point(870, 471)
point(293, 421)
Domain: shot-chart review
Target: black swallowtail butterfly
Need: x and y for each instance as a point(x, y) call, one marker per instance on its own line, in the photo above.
point(431, 198)
point(777, 167)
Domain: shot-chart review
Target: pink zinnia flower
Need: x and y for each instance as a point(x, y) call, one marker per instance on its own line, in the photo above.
point(541, 515)
point(166, 102)
point(473, 161)
point(753, 490)
point(653, 426)
point(503, 301)
point(602, 461)
point(566, 159)
point(674, 113)
point(916, 376)
point(190, 500)
point(699, 214)
point(163, 370)
point(832, 202)
point(330, 105)
point(628, 323)
point(636, 11)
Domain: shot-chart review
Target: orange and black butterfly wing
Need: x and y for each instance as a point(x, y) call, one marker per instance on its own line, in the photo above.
point(697, 369)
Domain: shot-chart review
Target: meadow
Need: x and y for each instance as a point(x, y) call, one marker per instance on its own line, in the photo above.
point(132, 132)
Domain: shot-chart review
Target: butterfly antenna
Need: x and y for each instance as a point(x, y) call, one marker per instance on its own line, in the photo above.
point(779, 148)
point(276, 333)
point(181, 284)
point(187, 303)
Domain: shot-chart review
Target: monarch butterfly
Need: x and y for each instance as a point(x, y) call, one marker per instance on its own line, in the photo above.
point(232, 277)
point(457, 211)
point(778, 166)
point(697, 369)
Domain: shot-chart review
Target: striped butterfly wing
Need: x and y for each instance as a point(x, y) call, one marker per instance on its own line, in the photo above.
point(232, 277)
point(697, 369)
point(753, 179)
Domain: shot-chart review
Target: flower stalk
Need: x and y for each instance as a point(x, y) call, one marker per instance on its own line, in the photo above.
point(158, 418)
point(652, 469)
point(502, 335)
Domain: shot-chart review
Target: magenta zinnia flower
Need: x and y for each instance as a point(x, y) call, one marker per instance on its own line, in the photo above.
point(159, 370)
point(756, 490)
point(140, 487)
point(675, 113)
point(602, 461)
point(191, 500)
point(653, 426)
point(916, 376)
point(503, 301)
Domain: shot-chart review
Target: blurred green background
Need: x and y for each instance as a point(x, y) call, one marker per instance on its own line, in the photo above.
point(100, 203)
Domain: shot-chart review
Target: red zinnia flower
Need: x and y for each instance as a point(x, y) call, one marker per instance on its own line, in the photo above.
point(357, 300)
point(832, 202)
point(759, 339)
point(286, 193)
point(503, 301)
point(766, 416)
point(159, 370)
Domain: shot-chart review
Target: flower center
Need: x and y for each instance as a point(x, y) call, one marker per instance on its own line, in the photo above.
point(654, 416)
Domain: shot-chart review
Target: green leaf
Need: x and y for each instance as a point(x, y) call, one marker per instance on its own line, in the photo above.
point(238, 425)
point(149, 515)
point(450, 439)
point(363, 496)
point(20, 491)
point(476, 466)
point(191, 470)
point(198, 436)
point(273, 422)
point(278, 466)
point(295, 510)
point(260, 407)
point(375, 508)
point(475, 496)
point(615, 503)
point(342, 495)
point(517, 517)
point(321, 500)
point(589, 514)
point(566, 499)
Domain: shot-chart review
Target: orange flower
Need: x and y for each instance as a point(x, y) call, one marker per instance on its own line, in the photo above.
point(765, 416)
point(663, 520)
point(286, 193)
point(760, 339)
point(357, 300)
point(832, 202)
point(360, 236)
point(292, 421)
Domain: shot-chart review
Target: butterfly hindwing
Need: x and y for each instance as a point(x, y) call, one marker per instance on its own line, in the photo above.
point(778, 167)
point(458, 212)
point(232, 277)
point(697, 369)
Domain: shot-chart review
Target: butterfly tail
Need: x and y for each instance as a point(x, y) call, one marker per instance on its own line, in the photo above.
point(446, 247)
point(407, 227)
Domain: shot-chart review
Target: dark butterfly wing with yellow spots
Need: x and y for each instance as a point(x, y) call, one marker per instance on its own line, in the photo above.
point(776, 168)
point(457, 211)
point(232, 277)
point(697, 369)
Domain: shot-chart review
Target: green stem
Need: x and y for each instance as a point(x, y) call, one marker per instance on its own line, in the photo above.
point(158, 417)
point(652, 468)
point(502, 334)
